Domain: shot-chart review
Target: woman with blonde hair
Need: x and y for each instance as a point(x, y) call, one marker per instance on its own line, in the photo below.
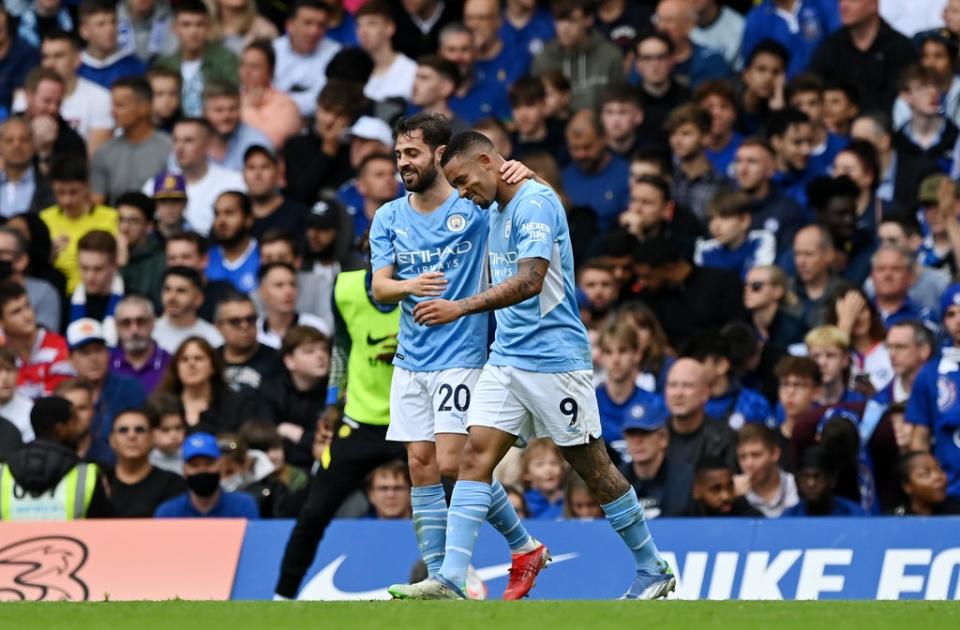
point(236, 23)
point(767, 295)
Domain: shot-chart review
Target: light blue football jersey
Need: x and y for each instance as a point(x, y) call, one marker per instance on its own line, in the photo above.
point(451, 239)
point(543, 333)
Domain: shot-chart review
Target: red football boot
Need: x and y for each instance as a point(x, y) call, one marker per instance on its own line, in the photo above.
point(524, 570)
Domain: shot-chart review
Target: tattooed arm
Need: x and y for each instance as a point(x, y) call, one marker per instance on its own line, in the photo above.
point(527, 283)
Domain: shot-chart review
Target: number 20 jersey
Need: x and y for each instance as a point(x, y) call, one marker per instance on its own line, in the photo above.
point(451, 239)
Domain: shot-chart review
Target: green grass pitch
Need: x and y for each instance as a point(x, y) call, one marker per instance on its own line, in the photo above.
point(491, 615)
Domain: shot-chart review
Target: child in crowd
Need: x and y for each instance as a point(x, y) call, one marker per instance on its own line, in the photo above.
point(558, 95)
point(805, 92)
point(169, 432)
point(839, 107)
point(166, 85)
point(719, 99)
point(734, 245)
point(543, 470)
point(578, 501)
point(830, 348)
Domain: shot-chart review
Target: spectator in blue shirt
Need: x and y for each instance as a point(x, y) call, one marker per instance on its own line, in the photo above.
point(734, 245)
point(791, 136)
point(476, 96)
point(762, 79)
point(695, 182)
point(619, 398)
point(730, 401)
point(17, 58)
point(809, 23)
point(526, 25)
point(236, 256)
point(204, 498)
point(719, 99)
point(595, 177)
point(497, 59)
point(103, 61)
point(693, 64)
point(933, 407)
point(543, 472)
point(805, 92)
point(816, 477)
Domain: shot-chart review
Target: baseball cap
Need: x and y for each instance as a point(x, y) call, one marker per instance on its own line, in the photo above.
point(200, 445)
point(169, 186)
point(83, 331)
point(370, 128)
point(324, 215)
point(929, 187)
point(648, 416)
point(950, 297)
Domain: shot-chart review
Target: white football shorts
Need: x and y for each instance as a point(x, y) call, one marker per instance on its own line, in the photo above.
point(423, 404)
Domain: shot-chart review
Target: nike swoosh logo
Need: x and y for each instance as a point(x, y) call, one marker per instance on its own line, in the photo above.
point(373, 341)
point(322, 586)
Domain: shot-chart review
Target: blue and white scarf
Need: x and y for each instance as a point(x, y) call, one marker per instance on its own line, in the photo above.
point(78, 308)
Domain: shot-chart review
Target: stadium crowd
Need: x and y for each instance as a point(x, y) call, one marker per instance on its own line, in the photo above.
point(762, 199)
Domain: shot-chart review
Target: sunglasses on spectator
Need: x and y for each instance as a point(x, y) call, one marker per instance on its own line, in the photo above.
point(127, 322)
point(238, 322)
point(139, 430)
point(756, 285)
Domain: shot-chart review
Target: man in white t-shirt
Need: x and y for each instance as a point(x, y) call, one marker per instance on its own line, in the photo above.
point(205, 180)
point(393, 72)
point(182, 296)
point(278, 293)
point(303, 54)
point(86, 105)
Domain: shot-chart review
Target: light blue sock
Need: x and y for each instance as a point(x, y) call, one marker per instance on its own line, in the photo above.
point(469, 505)
point(626, 516)
point(429, 505)
point(505, 520)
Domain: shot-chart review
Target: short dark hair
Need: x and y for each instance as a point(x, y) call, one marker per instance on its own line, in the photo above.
point(921, 334)
point(820, 190)
point(145, 204)
point(144, 412)
point(58, 35)
point(395, 468)
point(444, 67)
point(278, 235)
point(190, 7)
point(259, 149)
point(265, 48)
point(98, 241)
point(780, 121)
point(300, 335)
point(138, 85)
point(47, 414)
point(464, 142)
point(768, 47)
point(804, 82)
point(708, 464)
point(190, 275)
point(756, 432)
point(804, 367)
point(10, 291)
point(89, 8)
point(527, 91)
point(373, 157)
point(246, 206)
point(8, 359)
point(651, 33)
point(622, 93)
point(563, 9)
point(378, 8)
point(317, 5)
point(729, 203)
point(688, 113)
point(158, 72)
point(656, 156)
point(203, 123)
point(757, 141)
point(658, 251)
point(718, 87)
point(265, 270)
point(341, 98)
point(191, 237)
point(39, 74)
point(69, 167)
point(164, 404)
point(434, 128)
point(708, 344)
point(232, 297)
point(658, 182)
point(915, 73)
point(866, 153)
point(849, 90)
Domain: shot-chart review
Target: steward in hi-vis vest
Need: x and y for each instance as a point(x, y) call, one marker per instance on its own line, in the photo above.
point(44, 480)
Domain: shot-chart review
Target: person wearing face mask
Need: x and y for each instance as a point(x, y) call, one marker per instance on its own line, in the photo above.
point(204, 497)
point(44, 479)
